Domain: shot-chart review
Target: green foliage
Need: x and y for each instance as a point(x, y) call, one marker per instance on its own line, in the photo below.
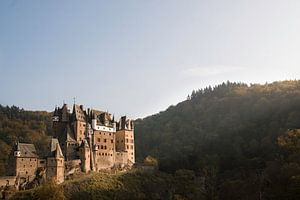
point(24, 126)
point(227, 142)
point(232, 130)
point(49, 191)
point(136, 184)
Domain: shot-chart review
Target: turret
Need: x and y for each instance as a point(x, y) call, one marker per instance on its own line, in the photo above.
point(17, 152)
point(85, 156)
point(55, 162)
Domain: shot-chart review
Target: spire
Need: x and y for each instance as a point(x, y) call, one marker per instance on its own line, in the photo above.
point(58, 152)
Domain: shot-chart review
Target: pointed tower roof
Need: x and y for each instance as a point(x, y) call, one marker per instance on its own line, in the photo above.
point(58, 152)
point(78, 113)
point(55, 150)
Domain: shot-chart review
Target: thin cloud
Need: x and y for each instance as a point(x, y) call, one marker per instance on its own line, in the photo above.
point(204, 71)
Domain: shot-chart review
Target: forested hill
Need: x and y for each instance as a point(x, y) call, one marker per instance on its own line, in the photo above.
point(230, 133)
point(24, 126)
point(234, 137)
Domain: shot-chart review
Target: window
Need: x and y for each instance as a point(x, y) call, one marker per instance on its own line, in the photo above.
point(98, 139)
point(112, 141)
point(122, 141)
point(127, 147)
point(127, 140)
point(105, 147)
point(101, 146)
point(131, 147)
point(110, 134)
point(104, 140)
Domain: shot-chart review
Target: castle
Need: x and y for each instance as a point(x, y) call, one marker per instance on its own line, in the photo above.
point(94, 138)
point(83, 140)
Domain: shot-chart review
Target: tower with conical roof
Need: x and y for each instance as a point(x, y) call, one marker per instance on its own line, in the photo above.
point(55, 162)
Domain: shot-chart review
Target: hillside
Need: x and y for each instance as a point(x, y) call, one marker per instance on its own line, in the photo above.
point(24, 126)
point(133, 185)
point(233, 141)
point(230, 131)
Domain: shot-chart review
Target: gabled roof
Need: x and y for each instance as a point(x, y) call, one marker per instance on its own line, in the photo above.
point(67, 134)
point(62, 113)
point(70, 134)
point(103, 118)
point(78, 113)
point(26, 150)
point(55, 150)
point(95, 113)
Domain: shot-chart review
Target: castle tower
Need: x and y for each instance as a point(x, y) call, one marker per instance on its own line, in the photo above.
point(85, 156)
point(60, 119)
point(55, 162)
point(125, 138)
point(103, 140)
point(79, 119)
point(64, 132)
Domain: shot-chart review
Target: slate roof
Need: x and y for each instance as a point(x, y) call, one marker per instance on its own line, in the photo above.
point(103, 118)
point(60, 112)
point(26, 150)
point(95, 113)
point(55, 150)
point(78, 113)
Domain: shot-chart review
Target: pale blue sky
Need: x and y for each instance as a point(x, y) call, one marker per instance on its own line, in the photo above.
point(139, 57)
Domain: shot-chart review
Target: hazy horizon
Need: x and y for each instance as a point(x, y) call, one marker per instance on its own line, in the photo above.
point(137, 58)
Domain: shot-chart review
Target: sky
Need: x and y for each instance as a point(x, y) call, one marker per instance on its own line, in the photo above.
point(138, 57)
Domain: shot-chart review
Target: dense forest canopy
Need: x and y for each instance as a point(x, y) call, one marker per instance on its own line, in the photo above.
point(230, 134)
point(240, 141)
